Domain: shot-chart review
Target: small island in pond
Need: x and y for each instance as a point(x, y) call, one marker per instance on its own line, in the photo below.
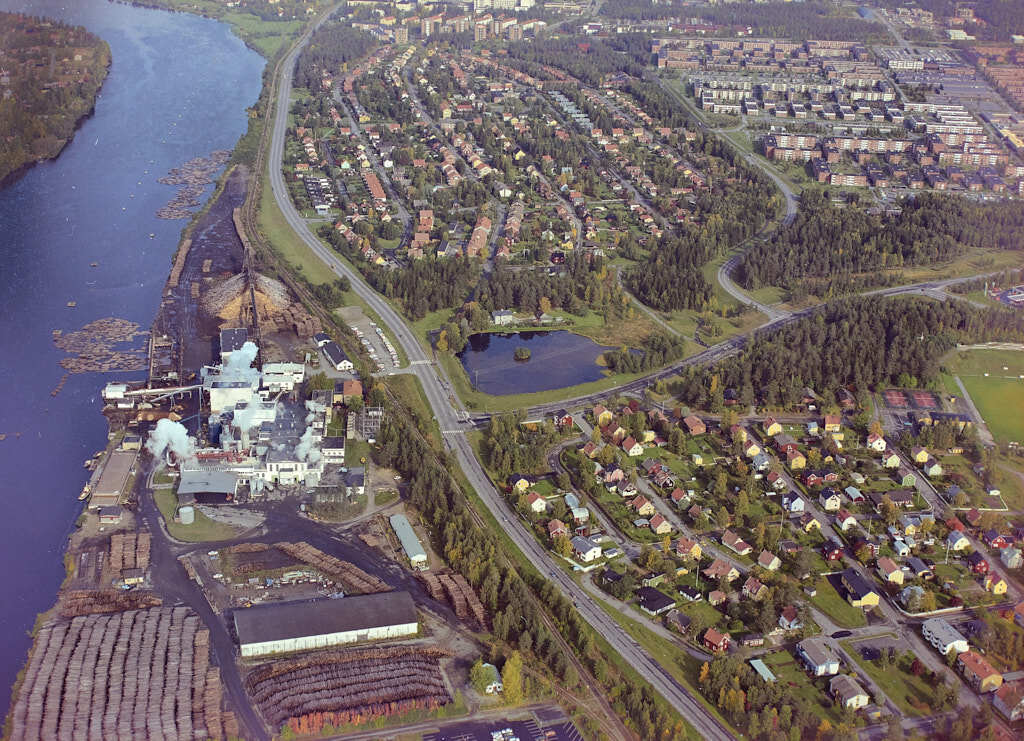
point(50, 74)
point(522, 353)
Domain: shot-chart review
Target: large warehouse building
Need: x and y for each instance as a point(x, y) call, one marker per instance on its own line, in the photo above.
point(301, 626)
point(410, 543)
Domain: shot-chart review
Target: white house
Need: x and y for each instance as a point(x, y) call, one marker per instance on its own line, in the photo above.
point(943, 636)
point(585, 549)
point(957, 541)
point(847, 692)
point(817, 657)
point(1011, 557)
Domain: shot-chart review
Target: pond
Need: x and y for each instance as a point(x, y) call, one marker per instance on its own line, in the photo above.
point(557, 359)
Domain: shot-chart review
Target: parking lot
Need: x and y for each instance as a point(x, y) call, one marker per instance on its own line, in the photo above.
point(377, 344)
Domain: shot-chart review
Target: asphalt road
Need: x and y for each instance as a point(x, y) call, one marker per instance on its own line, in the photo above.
point(453, 422)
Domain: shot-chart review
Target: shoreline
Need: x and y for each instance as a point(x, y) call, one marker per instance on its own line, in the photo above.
point(25, 167)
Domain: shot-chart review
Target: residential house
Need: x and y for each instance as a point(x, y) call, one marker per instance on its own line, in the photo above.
point(678, 497)
point(845, 690)
point(556, 528)
point(591, 449)
point(833, 423)
point(876, 443)
point(796, 460)
point(973, 517)
point(890, 460)
point(535, 503)
point(845, 520)
point(695, 513)
point(585, 549)
point(920, 569)
point(751, 449)
point(686, 548)
point(653, 601)
point(909, 525)
point(754, 589)
point(900, 548)
point(660, 525)
point(832, 550)
point(902, 498)
point(994, 583)
point(679, 621)
point(943, 637)
point(853, 493)
point(957, 541)
point(716, 642)
point(919, 454)
point(602, 416)
point(738, 433)
point(993, 539)
point(1011, 557)
point(817, 656)
point(809, 522)
point(631, 447)
point(735, 543)
point(690, 594)
point(694, 424)
point(829, 499)
point(518, 483)
point(889, 570)
point(716, 598)
point(784, 443)
point(720, 569)
point(642, 506)
point(769, 561)
point(770, 427)
point(932, 468)
point(761, 462)
point(792, 503)
point(775, 481)
point(789, 618)
point(911, 596)
point(977, 563)
point(908, 479)
point(978, 672)
point(1009, 701)
point(859, 591)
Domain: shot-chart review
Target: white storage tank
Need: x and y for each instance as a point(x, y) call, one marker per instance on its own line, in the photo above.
point(187, 515)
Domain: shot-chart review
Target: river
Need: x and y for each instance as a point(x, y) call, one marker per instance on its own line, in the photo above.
point(178, 88)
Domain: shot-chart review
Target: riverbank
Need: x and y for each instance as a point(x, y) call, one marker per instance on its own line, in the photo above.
point(41, 125)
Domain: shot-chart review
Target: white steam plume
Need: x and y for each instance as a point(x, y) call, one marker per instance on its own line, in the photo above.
point(306, 450)
point(171, 435)
point(239, 365)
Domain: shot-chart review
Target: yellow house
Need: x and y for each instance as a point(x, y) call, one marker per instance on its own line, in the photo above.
point(602, 415)
point(519, 483)
point(771, 427)
point(687, 548)
point(647, 436)
point(995, 584)
point(859, 591)
point(920, 455)
point(833, 423)
point(796, 460)
point(809, 523)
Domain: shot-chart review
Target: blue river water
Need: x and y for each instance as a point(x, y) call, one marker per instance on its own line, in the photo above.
point(178, 88)
point(558, 358)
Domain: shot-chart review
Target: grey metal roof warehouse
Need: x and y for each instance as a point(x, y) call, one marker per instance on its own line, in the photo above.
point(410, 543)
point(290, 620)
point(201, 482)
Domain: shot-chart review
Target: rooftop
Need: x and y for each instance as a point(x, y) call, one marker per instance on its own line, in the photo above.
point(323, 617)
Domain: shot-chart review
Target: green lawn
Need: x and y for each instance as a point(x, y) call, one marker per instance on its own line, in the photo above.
point(978, 362)
point(355, 451)
point(911, 694)
point(1000, 401)
point(839, 610)
point(202, 530)
point(284, 241)
point(788, 672)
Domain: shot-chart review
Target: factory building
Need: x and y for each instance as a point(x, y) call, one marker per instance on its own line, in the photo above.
point(410, 543)
point(232, 340)
point(306, 625)
point(206, 487)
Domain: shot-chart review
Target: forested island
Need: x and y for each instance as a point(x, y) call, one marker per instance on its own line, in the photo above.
point(50, 74)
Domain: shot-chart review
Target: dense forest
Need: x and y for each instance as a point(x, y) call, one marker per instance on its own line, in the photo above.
point(421, 287)
point(826, 246)
point(513, 600)
point(863, 342)
point(51, 73)
point(658, 349)
point(798, 21)
point(671, 279)
point(584, 57)
point(332, 46)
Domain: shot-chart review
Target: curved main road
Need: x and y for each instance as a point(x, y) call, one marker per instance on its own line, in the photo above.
point(453, 423)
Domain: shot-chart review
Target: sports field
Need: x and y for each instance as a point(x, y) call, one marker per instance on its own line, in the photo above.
point(993, 379)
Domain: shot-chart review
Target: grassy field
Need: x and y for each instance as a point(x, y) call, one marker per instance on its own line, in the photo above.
point(839, 610)
point(264, 36)
point(790, 673)
point(202, 530)
point(977, 261)
point(409, 390)
point(911, 694)
point(285, 242)
point(997, 395)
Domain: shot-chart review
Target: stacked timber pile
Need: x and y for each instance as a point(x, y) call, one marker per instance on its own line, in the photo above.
point(77, 602)
point(137, 674)
point(129, 551)
point(179, 264)
point(353, 577)
point(341, 687)
point(459, 594)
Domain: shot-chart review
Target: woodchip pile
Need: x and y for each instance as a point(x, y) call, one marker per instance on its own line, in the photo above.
point(353, 577)
point(193, 177)
point(459, 594)
point(92, 348)
point(230, 300)
point(340, 687)
point(138, 674)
